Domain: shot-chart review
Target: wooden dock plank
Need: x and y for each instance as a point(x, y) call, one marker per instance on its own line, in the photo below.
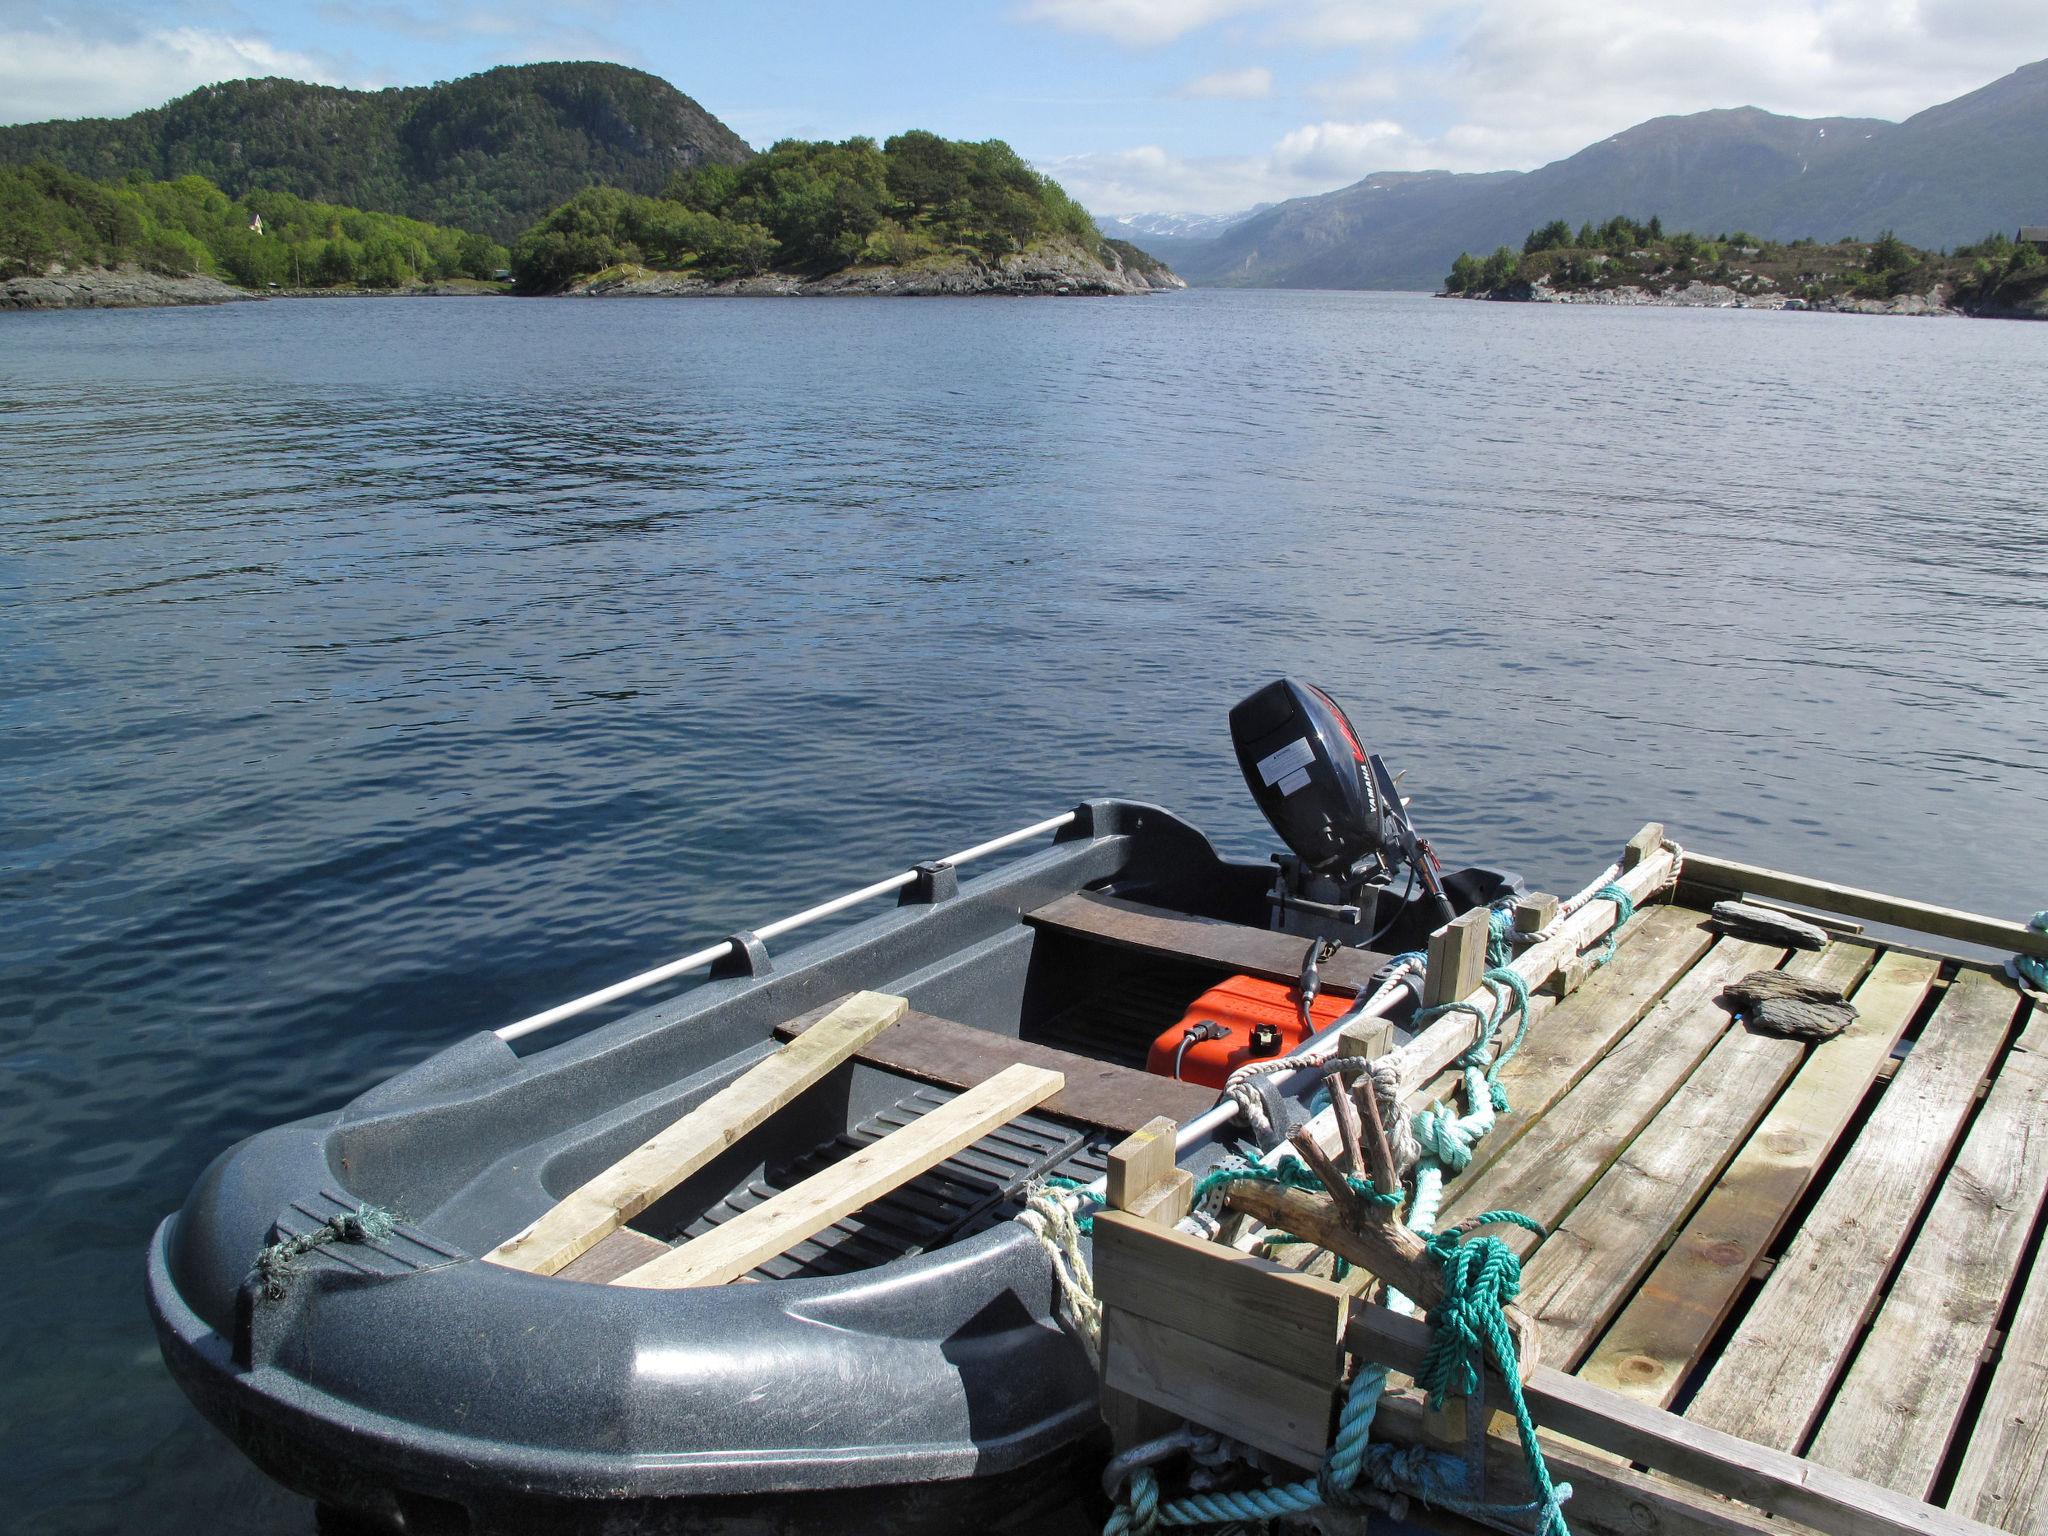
point(732, 1248)
point(1567, 1038)
point(1589, 1265)
point(603, 1204)
point(1566, 1150)
point(2004, 1477)
point(955, 1055)
point(1897, 1410)
point(1664, 1331)
point(1227, 946)
point(1872, 906)
point(1790, 1486)
point(1774, 1376)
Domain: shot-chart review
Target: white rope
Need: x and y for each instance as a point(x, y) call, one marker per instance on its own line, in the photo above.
point(1048, 1215)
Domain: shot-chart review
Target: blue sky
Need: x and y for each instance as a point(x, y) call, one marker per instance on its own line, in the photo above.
point(1186, 105)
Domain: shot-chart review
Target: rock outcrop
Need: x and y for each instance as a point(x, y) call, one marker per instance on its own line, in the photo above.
point(1044, 270)
point(113, 288)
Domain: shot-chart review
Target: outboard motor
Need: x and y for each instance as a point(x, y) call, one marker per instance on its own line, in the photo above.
point(1336, 806)
point(1350, 839)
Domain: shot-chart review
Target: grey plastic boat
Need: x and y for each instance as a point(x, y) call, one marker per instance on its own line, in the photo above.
point(905, 1369)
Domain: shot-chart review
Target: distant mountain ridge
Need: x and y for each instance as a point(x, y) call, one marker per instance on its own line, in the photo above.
point(1945, 176)
point(490, 152)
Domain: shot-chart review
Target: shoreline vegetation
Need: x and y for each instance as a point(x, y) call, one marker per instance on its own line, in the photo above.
point(917, 215)
point(1624, 262)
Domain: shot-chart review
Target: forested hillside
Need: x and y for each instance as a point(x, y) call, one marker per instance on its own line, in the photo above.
point(190, 225)
point(492, 152)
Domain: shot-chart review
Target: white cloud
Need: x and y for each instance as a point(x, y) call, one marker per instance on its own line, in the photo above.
point(1312, 158)
point(1513, 84)
point(1232, 84)
point(1140, 23)
point(54, 72)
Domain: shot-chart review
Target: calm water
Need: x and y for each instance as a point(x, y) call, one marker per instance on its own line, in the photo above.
point(373, 672)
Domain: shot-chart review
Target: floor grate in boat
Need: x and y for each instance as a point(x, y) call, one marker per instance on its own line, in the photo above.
point(969, 1192)
point(1125, 1010)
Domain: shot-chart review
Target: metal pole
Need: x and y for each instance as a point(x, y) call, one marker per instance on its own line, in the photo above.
point(774, 930)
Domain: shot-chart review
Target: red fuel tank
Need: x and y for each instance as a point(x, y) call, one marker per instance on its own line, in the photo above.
point(1239, 1005)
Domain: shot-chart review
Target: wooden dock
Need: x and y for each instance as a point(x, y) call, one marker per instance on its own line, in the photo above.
point(1781, 1286)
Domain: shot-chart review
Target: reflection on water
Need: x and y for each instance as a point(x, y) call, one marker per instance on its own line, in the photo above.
point(376, 672)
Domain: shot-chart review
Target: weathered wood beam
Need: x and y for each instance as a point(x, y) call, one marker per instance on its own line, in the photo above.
point(1870, 906)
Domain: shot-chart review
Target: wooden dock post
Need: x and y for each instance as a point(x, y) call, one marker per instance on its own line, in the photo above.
point(1534, 913)
point(1457, 958)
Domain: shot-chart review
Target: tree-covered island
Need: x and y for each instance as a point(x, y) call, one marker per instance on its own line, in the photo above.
point(1626, 262)
point(916, 211)
point(919, 214)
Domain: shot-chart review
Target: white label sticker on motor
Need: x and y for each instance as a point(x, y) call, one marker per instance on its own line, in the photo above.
point(1295, 780)
point(1276, 766)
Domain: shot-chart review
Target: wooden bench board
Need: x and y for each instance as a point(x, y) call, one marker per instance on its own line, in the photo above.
point(1207, 941)
point(1775, 1373)
point(954, 1055)
point(612, 1256)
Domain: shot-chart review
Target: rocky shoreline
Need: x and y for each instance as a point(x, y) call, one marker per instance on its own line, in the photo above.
point(1057, 271)
point(1702, 295)
point(115, 288)
point(1063, 271)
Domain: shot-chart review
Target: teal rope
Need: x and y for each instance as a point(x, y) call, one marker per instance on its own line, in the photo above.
point(1085, 1225)
point(1470, 1325)
point(1510, 999)
point(2032, 968)
point(1500, 933)
point(1624, 909)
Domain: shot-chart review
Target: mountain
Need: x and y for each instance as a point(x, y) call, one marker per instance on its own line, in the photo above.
point(1942, 177)
point(1188, 226)
point(1169, 236)
point(491, 152)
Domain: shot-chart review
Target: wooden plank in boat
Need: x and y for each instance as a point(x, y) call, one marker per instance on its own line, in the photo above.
point(2004, 1476)
point(1773, 1377)
point(1228, 946)
point(1587, 1267)
point(803, 1210)
point(1897, 1410)
point(1871, 906)
point(603, 1204)
point(1565, 1151)
point(1664, 1331)
point(955, 1055)
point(612, 1257)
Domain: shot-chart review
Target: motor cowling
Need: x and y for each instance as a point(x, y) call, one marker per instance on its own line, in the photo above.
point(1310, 775)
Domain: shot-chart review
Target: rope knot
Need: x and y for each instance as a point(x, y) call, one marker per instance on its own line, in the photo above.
point(364, 1224)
